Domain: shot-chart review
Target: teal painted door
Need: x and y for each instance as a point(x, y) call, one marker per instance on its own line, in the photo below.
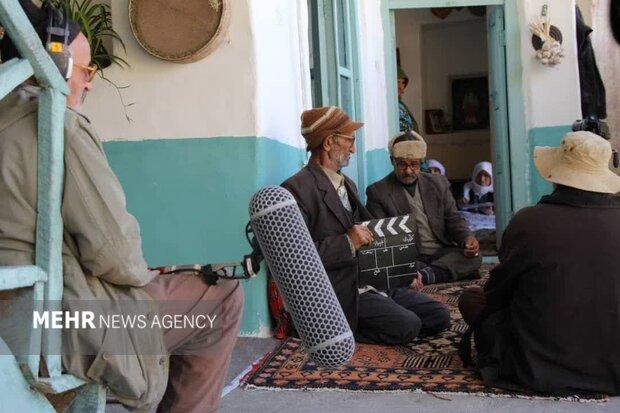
point(332, 65)
point(499, 117)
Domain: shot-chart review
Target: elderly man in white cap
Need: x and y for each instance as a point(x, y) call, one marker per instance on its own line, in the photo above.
point(448, 250)
point(548, 319)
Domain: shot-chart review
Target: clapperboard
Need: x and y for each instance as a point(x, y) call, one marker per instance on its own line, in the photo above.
point(391, 259)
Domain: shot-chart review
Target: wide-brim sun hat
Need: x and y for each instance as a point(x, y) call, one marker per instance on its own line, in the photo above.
point(581, 161)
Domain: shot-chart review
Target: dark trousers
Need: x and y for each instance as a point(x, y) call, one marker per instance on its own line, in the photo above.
point(450, 264)
point(399, 317)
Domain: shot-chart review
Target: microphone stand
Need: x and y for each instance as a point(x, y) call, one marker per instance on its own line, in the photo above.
point(245, 269)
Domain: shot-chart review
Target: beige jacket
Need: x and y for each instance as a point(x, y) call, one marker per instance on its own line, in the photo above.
point(102, 256)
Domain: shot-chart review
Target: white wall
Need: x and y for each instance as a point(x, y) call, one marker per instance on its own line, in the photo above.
point(282, 66)
point(256, 83)
point(551, 93)
point(451, 50)
point(409, 39)
point(372, 74)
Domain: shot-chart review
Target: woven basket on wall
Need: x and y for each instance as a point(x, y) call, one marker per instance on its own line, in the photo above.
point(181, 31)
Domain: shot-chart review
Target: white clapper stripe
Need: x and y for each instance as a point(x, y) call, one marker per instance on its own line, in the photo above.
point(390, 228)
point(378, 228)
point(365, 224)
point(402, 225)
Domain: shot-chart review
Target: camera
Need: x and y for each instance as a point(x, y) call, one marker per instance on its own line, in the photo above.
point(597, 127)
point(594, 125)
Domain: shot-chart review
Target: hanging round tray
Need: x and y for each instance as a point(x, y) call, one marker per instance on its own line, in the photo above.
point(181, 31)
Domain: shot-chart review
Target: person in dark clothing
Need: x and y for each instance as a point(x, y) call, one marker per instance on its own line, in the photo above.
point(331, 208)
point(590, 81)
point(614, 18)
point(448, 250)
point(548, 318)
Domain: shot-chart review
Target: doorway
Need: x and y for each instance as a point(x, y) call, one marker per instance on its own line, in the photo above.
point(483, 63)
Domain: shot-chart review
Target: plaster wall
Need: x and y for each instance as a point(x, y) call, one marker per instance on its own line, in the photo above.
point(215, 96)
point(551, 93)
point(421, 62)
point(282, 67)
point(372, 76)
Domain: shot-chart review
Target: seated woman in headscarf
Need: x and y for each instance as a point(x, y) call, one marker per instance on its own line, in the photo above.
point(435, 167)
point(478, 193)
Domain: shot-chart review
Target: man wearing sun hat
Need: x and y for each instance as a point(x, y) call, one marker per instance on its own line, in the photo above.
point(548, 319)
point(330, 205)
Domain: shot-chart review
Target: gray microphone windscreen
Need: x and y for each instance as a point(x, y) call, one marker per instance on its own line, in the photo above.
point(298, 271)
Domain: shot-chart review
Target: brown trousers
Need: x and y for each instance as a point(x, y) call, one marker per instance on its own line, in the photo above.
point(199, 357)
point(471, 303)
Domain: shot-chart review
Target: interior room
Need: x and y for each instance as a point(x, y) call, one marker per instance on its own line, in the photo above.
point(445, 56)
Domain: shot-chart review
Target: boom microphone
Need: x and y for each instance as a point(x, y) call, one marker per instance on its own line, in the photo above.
point(301, 278)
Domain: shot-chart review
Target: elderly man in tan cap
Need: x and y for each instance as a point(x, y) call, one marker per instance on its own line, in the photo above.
point(331, 207)
point(448, 250)
point(548, 318)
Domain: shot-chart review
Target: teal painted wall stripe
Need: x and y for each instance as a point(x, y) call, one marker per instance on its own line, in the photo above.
point(377, 168)
point(191, 197)
point(547, 136)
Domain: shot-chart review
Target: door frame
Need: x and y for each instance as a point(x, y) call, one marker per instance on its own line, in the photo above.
point(324, 52)
point(517, 130)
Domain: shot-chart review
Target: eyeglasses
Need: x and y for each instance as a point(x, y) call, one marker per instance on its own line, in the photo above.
point(403, 165)
point(91, 70)
point(350, 139)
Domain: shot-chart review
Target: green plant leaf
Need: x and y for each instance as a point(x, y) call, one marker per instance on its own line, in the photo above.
point(95, 19)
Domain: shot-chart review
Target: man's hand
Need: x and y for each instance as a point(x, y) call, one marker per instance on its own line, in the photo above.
point(360, 236)
point(417, 283)
point(472, 248)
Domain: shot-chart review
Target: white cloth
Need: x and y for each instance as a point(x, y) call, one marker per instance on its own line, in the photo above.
point(479, 190)
point(432, 163)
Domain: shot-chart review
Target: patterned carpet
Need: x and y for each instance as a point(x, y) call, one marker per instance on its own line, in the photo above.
point(429, 364)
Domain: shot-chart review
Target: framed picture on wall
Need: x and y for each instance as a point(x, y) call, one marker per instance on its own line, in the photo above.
point(433, 121)
point(470, 103)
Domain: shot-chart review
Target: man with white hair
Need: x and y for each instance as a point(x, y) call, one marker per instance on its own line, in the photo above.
point(548, 318)
point(448, 250)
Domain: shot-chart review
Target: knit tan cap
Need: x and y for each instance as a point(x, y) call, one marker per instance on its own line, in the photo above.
point(319, 123)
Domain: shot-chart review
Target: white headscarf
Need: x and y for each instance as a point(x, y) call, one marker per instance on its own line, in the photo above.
point(432, 163)
point(479, 190)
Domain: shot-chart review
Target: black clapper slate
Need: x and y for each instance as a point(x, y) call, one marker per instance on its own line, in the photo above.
point(390, 261)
